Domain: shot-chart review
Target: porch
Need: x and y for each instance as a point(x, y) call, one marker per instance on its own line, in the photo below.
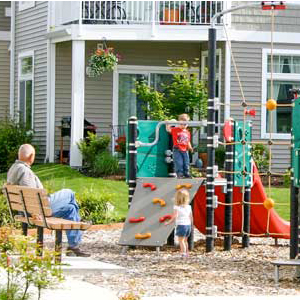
point(134, 20)
point(107, 101)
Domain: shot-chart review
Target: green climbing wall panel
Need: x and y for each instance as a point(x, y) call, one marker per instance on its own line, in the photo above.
point(151, 160)
point(239, 156)
point(296, 141)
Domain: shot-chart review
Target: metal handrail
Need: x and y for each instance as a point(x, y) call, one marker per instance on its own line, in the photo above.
point(190, 123)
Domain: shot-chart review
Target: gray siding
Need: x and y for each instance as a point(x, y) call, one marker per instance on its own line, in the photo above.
point(30, 30)
point(260, 20)
point(99, 91)
point(4, 21)
point(248, 57)
point(4, 79)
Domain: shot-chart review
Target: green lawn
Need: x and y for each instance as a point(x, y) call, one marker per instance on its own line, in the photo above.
point(281, 197)
point(55, 177)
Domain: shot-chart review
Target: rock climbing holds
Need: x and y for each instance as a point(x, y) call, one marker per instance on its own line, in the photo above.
point(150, 185)
point(165, 218)
point(137, 220)
point(184, 186)
point(160, 201)
point(142, 236)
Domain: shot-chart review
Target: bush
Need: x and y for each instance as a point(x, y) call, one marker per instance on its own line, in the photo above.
point(261, 157)
point(220, 156)
point(287, 178)
point(12, 136)
point(91, 147)
point(5, 218)
point(106, 164)
point(96, 207)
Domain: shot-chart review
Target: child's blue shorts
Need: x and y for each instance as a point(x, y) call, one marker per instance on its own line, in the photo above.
point(183, 230)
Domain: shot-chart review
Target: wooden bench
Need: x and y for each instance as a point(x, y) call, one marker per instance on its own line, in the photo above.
point(278, 263)
point(35, 210)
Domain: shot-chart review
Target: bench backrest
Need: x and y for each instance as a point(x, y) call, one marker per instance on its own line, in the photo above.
point(32, 198)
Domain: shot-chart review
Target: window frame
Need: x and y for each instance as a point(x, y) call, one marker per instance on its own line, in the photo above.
point(23, 5)
point(204, 55)
point(276, 76)
point(25, 78)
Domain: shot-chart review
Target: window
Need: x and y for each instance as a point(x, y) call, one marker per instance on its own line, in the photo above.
point(26, 4)
point(26, 88)
point(286, 72)
point(204, 68)
point(129, 103)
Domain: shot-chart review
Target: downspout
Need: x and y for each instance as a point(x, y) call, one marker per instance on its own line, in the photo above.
point(12, 61)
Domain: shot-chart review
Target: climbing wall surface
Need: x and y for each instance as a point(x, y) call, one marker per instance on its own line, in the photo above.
point(148, 205)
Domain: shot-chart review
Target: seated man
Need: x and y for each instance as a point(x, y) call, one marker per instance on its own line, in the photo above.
point(63, 202)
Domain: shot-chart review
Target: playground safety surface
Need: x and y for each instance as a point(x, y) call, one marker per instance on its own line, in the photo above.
point(239, 272)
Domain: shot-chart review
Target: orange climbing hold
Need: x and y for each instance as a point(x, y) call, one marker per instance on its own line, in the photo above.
point(165, 218)
point(162, 202)
point(271, 104)
point(184, 186)
point(269, 203)
point(142, 236)
point(137, 220)
point(150, 185)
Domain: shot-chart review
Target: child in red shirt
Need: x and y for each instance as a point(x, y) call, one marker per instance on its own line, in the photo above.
point(181, 145)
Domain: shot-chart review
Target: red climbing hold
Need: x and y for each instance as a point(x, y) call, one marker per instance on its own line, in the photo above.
point(251, 112)
point(164, 218)
point(150, 185)
point(137, 220)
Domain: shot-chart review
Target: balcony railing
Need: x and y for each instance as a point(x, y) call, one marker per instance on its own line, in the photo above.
point(145, 12)
point(137, 12)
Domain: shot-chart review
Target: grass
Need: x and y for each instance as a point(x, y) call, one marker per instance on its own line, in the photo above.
point(55, 177)
point(281, 197)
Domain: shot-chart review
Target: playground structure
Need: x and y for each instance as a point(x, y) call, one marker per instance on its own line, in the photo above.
point(237, 203)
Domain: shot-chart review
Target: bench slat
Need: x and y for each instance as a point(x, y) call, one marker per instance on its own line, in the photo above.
point(55, 223)
point(31, 209)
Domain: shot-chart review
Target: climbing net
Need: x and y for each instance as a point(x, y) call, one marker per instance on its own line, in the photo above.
point(271, 106)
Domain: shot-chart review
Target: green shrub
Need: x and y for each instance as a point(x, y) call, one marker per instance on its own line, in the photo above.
point(91, 147)
point(106, 164)
point(12, 136)
point(96, 207)
point(5, 218)
point(220, 156)
point(287, 178)
point(261, 156)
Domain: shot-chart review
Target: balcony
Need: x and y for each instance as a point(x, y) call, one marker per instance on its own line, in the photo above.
point(137, 12)
point(135, 20)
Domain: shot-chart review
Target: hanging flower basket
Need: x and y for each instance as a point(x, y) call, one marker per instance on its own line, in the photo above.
point(102, 60)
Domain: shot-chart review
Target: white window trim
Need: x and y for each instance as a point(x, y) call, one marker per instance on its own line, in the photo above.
point(26, 77)
point(204, 54)
point(276, 76)
point(23, 5)
point(133, 69)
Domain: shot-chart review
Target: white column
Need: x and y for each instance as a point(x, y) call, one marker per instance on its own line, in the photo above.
point(51, 101)
point(77, 115)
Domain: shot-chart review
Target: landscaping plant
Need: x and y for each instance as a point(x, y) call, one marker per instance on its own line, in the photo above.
point(12, 135)
point(91, 147)
point(185, 94)
point(261, 156)
point(106, 164)
point(24, 268)
point(95, 206)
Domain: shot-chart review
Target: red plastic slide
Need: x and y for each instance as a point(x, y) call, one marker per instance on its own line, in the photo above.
point(259, 214)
